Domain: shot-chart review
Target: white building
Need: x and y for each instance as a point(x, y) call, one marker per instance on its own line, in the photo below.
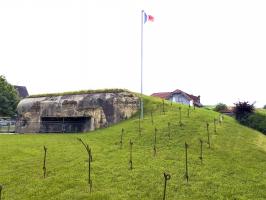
point(179, 96)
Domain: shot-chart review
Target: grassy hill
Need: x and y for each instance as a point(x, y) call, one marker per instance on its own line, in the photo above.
point(233, 168)
point(262, 111)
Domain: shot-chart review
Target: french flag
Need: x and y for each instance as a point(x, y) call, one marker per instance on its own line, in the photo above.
point(147, 17)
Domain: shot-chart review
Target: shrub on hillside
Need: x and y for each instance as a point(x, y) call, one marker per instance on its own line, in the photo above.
point(243, 109)
point(257, 121)
point(246, 115)
point(220, 107)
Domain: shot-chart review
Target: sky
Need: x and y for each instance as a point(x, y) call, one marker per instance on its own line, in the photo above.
point(215, 49)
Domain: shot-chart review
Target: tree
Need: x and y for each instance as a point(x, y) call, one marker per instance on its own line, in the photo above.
point(264, 107)
point(220, 107)
point(243, 109)
point(8, 98)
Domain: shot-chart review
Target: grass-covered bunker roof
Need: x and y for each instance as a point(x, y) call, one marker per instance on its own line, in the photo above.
point(112, 90)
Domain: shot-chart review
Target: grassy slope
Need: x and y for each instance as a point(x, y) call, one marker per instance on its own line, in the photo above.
point(234, 168)
point(262, 111)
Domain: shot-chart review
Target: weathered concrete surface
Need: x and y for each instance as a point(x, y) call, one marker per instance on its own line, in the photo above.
point(101, 109)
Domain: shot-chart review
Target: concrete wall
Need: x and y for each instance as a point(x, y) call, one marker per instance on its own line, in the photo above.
point(103, 109)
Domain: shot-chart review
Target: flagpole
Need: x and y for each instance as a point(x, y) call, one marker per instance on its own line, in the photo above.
point(141, 68)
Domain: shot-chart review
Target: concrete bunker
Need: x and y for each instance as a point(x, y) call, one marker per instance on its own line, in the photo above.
point(75, 112)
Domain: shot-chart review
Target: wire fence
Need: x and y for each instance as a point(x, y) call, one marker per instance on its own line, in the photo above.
point(7, 128)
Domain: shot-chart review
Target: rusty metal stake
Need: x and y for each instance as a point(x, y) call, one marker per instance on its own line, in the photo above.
point(169, 130)
point(1, 188)
point(208, 132)
point(214, 123)
point(167, 177)
point(163, 108)
point(44, 162)
point(180, 116)
point(151, 118)
point(155, 142)
point(89, 159)
point(121, 138)
point(201, 151)
point(155, 136)
point(130, 155)
point(186, 174)
point(88, 149)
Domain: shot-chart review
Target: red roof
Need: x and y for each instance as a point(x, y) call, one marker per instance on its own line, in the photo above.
point(177, 91)
point(192, 97)
point(163, 95)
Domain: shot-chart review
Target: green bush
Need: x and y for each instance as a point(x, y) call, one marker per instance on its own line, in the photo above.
point(243, 109)
point(220, 107)
point(246, 115)
point(256, 121)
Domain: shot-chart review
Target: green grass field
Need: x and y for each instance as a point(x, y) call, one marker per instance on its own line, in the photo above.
point(262, 111)
point(233, 168)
